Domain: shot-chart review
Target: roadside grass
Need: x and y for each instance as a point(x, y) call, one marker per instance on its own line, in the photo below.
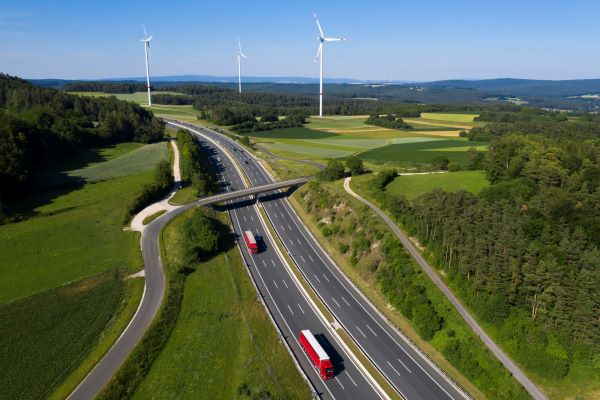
point(413, 186)
point(140, 159)
point(223, 344)
point(132, 297)
point(289, 169)
point(45, 336)
point(152, 217)
point(362, 276)
point(184, 196)
point(422, 152)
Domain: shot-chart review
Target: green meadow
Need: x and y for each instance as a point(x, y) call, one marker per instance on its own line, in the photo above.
point(413, 186)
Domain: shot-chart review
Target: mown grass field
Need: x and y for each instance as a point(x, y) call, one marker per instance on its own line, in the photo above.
point(223, 340)
point(45, 336)
point(71, 234)
point(137, 97)
point(413, 186)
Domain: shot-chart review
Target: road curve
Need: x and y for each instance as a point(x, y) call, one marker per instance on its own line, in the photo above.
point(508, 363)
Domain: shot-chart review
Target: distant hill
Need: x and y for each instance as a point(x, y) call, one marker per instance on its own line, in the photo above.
point(580, 94)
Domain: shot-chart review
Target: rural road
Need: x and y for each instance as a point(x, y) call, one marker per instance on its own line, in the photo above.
point(508, 363)
point(408, 370)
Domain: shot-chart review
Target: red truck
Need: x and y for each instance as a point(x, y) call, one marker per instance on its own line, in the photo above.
point(316, 354)
point(250, 242)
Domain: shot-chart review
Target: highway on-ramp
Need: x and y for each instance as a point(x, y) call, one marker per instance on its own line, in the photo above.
point(411, 373)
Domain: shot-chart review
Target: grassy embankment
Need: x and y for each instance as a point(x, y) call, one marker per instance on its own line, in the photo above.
point(356, 239)
point(223, 344)
point(64, 263)
point(412, 186)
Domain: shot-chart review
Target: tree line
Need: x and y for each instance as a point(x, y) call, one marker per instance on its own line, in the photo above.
point(104, 87)
point(40, 125)
point(524, 253)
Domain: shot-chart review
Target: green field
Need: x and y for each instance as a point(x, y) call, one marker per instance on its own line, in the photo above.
point(70, 235)
point(413, 186)
point(121, 160)
point(447, 117)
point(422, 152)
point(137, 97)
point(223, 341)
point(45, 336)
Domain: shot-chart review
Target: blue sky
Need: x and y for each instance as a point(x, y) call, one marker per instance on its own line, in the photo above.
point(416, 40)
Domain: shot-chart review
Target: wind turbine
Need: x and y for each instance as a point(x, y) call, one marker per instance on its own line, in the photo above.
point(146, 40)
point(239, 57)
point(322, 39)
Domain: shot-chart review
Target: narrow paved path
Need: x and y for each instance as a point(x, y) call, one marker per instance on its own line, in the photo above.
point(508, 363)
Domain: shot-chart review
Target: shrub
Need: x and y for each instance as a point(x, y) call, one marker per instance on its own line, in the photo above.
point(334, 170)
point(440, 162)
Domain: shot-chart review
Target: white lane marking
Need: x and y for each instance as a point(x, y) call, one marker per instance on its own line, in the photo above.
point(289, 227)
point(395, 370)
point(311, 259)
point(282, 228)
point(404, 365)
point(244, 218)
point(300, 308)
point(372, 331)
point(299, 242)
point(327, 279)
point(303, 260)
point(285, 283)
point(252, 218)
point(281, 215)
point(345, 301)
point(290, 308)
point(264, 263)
point(351, 379)
point(272, 262)
point(317, 278)
point(275, 283)
point(338, 381)
point(338, 304)
point(275, 215)
point(362, 333)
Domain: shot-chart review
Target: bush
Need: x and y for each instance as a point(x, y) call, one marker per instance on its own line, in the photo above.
point(382, 179)
point(454, 166)
point(163, 181)
point(440, 163)
point(462, 134)
point(426, 320)
point(201, 237)
point(355, 165)
point(334, 170)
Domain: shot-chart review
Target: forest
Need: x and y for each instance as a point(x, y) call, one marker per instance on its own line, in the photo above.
point(39, 126)
point(524, 253)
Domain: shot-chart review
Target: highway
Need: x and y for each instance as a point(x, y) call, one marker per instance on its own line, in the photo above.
point(406, 368)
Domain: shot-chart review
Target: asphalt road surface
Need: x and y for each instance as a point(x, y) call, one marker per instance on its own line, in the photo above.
point(406, 368)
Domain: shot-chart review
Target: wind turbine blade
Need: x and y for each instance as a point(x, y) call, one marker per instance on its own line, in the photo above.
point(318, 25)
point(332, 39)
point(243, 55)
point(145, 33)
point(240, 45)
point(318, 52)
point(150, 38)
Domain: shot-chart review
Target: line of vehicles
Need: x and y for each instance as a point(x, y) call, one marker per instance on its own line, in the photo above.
point(310, 345)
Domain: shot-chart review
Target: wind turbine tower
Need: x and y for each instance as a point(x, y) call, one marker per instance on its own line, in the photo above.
point(240, 54)
point(146, 40)
point(322, 39)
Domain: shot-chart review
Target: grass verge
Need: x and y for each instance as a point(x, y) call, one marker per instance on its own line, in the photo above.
point(223, 344)
point(152, 217)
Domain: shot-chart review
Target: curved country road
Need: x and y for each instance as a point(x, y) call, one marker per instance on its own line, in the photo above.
point(508, 363)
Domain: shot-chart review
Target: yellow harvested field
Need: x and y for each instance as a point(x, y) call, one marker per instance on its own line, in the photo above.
point(418, 121)
point(439, 133)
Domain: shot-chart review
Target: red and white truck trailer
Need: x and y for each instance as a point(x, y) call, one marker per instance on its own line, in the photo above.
point(250, 242)
point(316, 354)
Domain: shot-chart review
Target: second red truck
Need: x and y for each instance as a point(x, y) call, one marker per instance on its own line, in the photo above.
point(317, 355)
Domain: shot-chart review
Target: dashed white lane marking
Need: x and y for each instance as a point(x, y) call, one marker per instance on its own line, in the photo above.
point(300, 308)
point(264, 263)
point(281, 215)
point(395, 370)
point(372, 331)
point(290, 308)
point(327, 279)
point(338, 381)
point(272, 262)
point(285, 283)
point(299, 242)
point(338, 304)
point(252, 218)
point(303, 260)
point(311, 259)
point(361, 332)
point(317, 278)
point(244, 218)
point(345, 301)
point(351, 379)
point(289, 227)
point(275, 283)
point(404, 365)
